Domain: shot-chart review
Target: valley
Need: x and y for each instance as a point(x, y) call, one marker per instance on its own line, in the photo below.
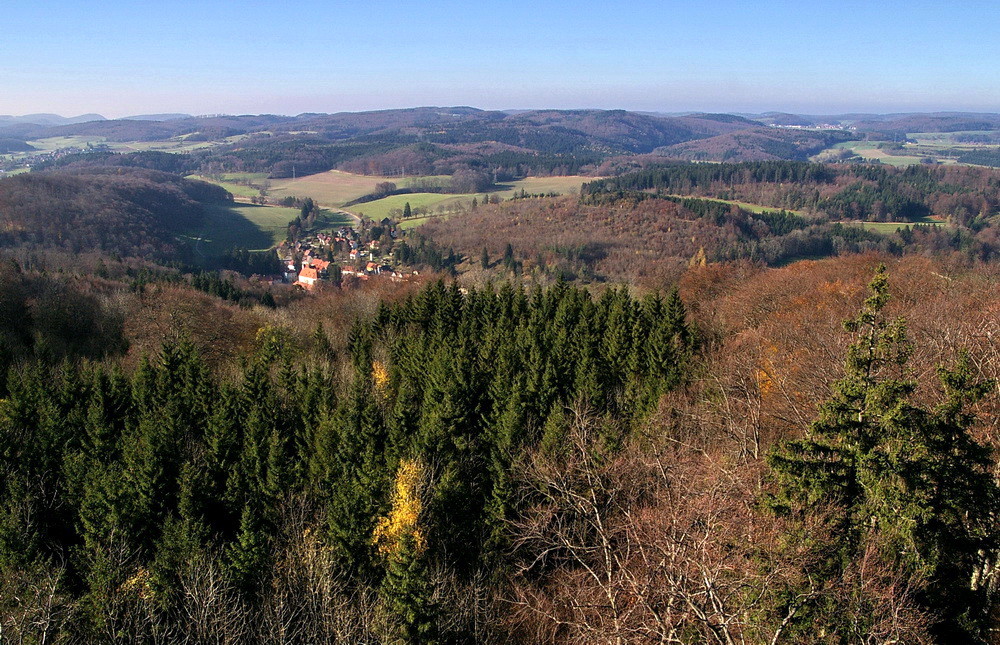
point(388, 375)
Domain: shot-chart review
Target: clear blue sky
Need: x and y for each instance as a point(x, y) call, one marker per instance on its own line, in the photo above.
point(208, 56)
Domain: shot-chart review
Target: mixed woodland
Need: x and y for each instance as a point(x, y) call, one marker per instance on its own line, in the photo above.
point(697, 403)
point(724, 462)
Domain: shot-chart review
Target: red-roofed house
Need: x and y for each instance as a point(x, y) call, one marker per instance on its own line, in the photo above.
point(308, 277)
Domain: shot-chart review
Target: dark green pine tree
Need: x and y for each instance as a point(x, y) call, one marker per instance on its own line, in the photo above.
point(354, 473)
point(908, 480)
point(181, 539)
point(247, 555)
point(506, 436)
point(448, 436)
point(407, 593)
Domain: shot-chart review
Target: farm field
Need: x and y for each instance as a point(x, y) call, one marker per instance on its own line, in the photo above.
point(55, 143)
point(178, 145)
point(336, 188)
point(753, 208)
point(237, 189)
point(241, 226)
point(887, 228)
point(561, 185)
point(940, 146)
point(442, 204)
point(175, 144)
point(948, 140)
point(431, 201)
point(869, 150)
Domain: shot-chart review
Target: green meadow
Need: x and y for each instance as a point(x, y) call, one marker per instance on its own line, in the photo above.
point(240, 226)
point(336, 188)
point(237, 189)
point(753, 208)
point(443, 204)
point(887, 228)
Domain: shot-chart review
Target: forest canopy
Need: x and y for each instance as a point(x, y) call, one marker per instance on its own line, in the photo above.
point(128, 211)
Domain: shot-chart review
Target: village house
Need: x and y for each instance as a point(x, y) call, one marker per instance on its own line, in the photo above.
point(308, 278)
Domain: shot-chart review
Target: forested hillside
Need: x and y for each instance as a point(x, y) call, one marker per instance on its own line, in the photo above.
point(645, 239)
point(115, 210)
point(400, 456)
point(757, 144)
point(688, 405)
point(851, 191)
point(510, 465)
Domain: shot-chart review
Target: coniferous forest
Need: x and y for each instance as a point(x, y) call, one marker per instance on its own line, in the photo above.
point(502, 464)
point(124, 491)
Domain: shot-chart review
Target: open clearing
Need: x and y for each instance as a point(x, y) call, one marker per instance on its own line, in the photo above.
point(56, 143)
point(942, 147)
point(871, 151)
point(887, 228)
point(241, 226)
point(237, 189)
point(179, 144)
point(436, 203)
point(336, 188)
point(753, 208)
point(443, 204)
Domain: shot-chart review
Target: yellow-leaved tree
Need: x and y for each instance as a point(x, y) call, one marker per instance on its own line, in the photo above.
point(400, 540)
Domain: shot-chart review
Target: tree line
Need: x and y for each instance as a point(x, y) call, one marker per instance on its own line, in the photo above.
point(849, 191)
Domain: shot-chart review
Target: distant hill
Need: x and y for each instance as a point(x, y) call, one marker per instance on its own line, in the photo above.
point(501, 145)
point(783, 118)
point(756, 144)
point(936, 122)
point(129, 211)
point(14, 145)
point(156, 117)
point(47, 119)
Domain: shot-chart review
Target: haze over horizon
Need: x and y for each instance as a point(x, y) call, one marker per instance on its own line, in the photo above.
point(75, 57)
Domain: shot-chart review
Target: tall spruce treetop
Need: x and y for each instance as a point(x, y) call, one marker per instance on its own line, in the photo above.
point(907, 480)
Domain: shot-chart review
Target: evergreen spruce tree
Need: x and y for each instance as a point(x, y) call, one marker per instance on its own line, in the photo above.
point(247, 555)
point(402, 542)
point(407, 593)
point(907, 480)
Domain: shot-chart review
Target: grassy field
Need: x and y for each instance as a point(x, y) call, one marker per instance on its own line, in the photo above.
point(940, 146)
point(240, 190)
point(870, 150)
point(887, 228)
point(176, 144)
point(432, 201)
point(330, 220)
point(564, 185)
point(753, 208)
point(947, 140)
point(336, 188)
point(241, 226)
point(442, 205)
point(55, 143)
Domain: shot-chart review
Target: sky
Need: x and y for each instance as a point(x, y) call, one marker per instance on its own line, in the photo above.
point(252, 57)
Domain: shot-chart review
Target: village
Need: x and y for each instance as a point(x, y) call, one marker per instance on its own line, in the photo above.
point(320, 260)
